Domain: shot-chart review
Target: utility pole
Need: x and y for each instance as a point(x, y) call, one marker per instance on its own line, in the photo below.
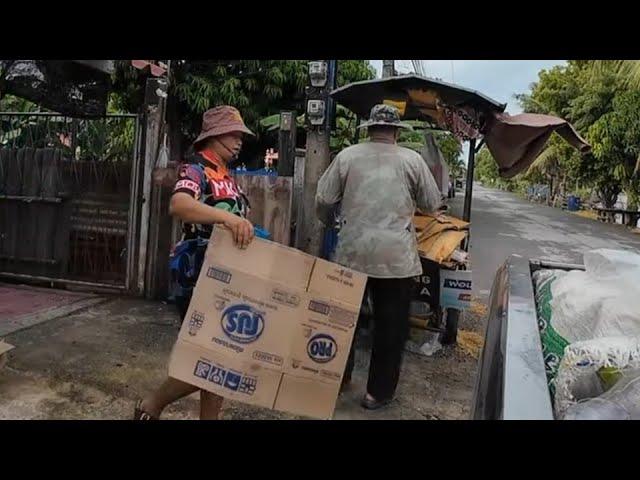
point(319, 109)
point(388, 68)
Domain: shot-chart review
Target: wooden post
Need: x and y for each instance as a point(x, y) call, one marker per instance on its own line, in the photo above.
point(28, 211)
point(286, 144)
point(297, 198)
point(316, 162)
point(13, 187)
point(153, 111)
point(161, 232)
point(160, 223)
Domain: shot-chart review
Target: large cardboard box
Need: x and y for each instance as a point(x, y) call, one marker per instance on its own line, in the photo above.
point(269, 326)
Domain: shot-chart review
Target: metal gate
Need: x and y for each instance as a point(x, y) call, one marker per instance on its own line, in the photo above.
point(66, 198)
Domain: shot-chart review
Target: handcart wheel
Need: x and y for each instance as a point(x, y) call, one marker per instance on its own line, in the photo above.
point(450, 334)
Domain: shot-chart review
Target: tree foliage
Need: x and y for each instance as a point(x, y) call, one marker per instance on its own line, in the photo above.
point(602, 100)
point(616, 145)
point(450, 147)
point(258, 88)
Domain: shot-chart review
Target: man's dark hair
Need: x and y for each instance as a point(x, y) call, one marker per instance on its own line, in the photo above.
point(380, 128)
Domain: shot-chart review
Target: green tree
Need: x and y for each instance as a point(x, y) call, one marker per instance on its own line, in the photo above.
point(451, 149)
point(10, 103)
point(583, 92)
point(553, 91)
point(555, 167)
point(615, 138)
point(354, 71)
point(259, 88)
point(486, 168)
point(486, 172)
point(593, 99)
point(413, 139)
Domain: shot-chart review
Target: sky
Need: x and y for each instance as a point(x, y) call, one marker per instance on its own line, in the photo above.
point(498, 79)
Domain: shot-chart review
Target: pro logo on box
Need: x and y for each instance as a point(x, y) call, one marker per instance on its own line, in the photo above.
point(322, 348)
point(242, 323)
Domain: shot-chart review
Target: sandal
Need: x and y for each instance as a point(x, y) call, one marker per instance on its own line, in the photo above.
point(139, 414)
point(374, 404)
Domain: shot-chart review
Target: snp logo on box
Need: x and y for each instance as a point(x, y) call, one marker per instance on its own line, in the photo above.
point(322, 348)
point(242, 323)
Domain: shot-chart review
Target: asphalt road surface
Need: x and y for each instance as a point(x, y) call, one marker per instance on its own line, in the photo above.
point(503, 224)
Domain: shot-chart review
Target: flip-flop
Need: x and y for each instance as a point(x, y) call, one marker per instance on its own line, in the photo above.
point(139, 414)
point(374, 404)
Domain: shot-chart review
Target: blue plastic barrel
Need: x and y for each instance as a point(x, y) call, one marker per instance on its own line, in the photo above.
point(573, 203)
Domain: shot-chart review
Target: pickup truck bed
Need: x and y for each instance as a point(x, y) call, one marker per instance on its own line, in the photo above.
point(511, 382)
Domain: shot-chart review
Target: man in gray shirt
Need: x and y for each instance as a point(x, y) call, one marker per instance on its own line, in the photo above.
point(380, 186)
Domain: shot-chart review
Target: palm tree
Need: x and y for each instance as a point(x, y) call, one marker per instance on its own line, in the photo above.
point(628, 70)
point(548, 166)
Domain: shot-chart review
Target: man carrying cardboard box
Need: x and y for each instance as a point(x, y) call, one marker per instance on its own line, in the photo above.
point(205, 194)
point(380, 185)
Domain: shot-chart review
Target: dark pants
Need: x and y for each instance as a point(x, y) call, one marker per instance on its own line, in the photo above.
point(182, 303)
point(390, 298)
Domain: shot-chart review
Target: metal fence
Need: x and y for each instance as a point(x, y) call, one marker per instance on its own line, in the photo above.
point(66, 197)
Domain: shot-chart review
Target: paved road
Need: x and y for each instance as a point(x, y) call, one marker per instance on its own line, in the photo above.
point(503, 224)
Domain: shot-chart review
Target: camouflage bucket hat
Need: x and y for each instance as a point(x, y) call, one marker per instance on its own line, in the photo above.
point(385, 115)
point(220, 120)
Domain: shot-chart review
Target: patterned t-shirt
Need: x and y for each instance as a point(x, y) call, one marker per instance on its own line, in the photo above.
point(206, 178)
